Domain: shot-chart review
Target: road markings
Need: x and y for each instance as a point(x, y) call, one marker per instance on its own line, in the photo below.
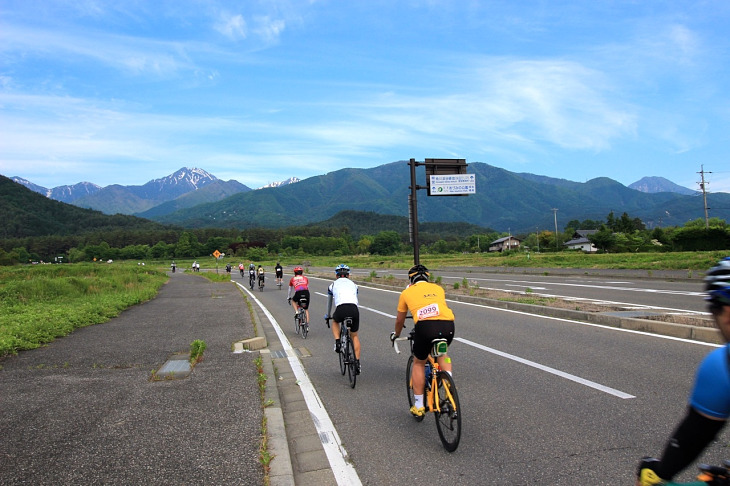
point(562, 374)
point(343, 470)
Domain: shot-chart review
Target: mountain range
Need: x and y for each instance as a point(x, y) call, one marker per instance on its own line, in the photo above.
point(504, 200)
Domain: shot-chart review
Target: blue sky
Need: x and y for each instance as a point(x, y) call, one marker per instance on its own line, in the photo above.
point(259, 91)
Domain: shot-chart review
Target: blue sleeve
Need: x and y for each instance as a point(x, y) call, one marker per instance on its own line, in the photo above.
point(711, 392)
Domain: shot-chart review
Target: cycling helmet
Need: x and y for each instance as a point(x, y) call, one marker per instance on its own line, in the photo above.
point(298, 270)
point(342, 270)
point(418, 273)
point(717, 284)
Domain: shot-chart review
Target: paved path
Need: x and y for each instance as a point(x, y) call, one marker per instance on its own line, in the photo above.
point(83, 410)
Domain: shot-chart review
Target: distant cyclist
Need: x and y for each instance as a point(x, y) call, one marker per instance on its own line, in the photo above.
point(228, 268)
point(251, 275)
point(343, 292)
point(709, 403)
point(300, 284)
point(432, 319)
point(279, 273)
point(260, 272)
point(240, 268)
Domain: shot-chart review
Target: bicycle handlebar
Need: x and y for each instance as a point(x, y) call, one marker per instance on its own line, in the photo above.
point(393, 340)
point(327, 320)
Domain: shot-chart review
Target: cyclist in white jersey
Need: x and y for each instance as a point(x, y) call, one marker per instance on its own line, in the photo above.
point(343, 292)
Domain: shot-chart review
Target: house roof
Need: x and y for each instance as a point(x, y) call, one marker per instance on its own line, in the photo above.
point(500, 240)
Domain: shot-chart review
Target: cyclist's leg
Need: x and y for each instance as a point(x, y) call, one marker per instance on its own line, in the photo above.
point(355, 343)
point(444, 363)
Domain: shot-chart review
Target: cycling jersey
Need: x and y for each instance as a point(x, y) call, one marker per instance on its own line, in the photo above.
point(426, 301)
point(711, 393)
point(299, 282)
point(343, 291)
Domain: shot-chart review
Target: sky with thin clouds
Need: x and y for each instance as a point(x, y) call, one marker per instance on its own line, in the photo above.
point(263, 90)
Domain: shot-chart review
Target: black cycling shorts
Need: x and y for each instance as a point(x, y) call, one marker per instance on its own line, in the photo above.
point(279, 273)
point(298, 296)
point(348, 310)
point(427, 331)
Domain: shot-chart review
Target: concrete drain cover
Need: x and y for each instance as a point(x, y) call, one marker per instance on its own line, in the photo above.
point(175, 368)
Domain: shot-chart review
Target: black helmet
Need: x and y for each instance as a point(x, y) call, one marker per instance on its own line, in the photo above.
point(717, 283)
point(417, 273)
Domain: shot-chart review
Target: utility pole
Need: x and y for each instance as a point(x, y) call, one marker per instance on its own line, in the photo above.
point(704, 193)
point(555, 216)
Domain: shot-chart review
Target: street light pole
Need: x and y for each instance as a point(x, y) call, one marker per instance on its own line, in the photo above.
point(555, 216)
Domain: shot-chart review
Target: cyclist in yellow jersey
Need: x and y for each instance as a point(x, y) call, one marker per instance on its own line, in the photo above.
point(432, 319)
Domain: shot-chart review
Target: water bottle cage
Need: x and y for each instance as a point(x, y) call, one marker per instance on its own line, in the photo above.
point(439, 347)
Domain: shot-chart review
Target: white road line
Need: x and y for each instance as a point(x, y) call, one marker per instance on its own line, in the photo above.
point(562, 374)
point(345, 473)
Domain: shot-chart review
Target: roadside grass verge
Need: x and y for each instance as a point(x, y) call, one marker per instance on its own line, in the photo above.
point(40, 303)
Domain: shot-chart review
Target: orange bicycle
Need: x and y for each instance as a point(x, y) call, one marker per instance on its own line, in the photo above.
point(441, 396)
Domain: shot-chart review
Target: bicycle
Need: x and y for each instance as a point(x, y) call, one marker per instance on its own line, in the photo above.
point(709, 475)
point(261, 283)
point(300, 318)
point(251, 279)
point(348, 362)
point(440, 394)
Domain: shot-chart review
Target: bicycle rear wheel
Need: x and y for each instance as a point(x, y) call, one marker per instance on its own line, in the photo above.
point(448, 420)
point(409, 387)
point(343, 350)
point(296, 323)
point(304, 325)
point(351, 364)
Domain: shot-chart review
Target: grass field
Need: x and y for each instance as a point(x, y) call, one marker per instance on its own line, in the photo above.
point(39, 303)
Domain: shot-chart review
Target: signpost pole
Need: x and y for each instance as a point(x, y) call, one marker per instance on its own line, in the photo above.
point(413, 214)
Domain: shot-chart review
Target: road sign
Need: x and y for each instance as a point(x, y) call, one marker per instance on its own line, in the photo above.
point(452, 185)
point(217, 254)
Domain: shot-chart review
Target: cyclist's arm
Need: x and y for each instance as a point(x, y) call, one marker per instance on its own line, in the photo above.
point(688, 441)
point(400, 321)
point(329, 304)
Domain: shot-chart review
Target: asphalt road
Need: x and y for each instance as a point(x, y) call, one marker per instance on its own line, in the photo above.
point(545, 401)
point(83, 410)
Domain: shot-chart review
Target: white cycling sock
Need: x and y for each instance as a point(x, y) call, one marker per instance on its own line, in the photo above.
point(419, 401)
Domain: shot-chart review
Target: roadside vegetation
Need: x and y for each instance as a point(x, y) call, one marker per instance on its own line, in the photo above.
point(39, 303)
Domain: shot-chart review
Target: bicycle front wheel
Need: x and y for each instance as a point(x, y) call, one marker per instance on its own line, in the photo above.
point(448, 420)
point(351, 364)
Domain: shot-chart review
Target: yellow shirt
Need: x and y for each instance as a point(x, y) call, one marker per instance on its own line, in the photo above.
point(425, 301)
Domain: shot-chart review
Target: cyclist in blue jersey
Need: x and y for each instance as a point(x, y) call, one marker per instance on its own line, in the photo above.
point(709, 403)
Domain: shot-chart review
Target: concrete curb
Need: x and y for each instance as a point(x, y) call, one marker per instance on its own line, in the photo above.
point(281, 472)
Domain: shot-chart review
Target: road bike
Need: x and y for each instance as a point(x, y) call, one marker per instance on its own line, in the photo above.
point(440, 395)
point(261, 283)
point(348, 363)
point(709, 475)
point(300, 318)
point(251, 279)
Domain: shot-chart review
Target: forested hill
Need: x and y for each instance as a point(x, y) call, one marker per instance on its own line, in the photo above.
point(504, 200)
point(361, 223)
point(26, 213)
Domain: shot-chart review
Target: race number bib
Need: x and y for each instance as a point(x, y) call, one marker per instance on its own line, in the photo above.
point(430, 311)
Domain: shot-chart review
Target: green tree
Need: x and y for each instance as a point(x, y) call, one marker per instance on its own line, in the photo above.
point(386, 243)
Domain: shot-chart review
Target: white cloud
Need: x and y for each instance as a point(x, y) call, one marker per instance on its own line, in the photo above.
point(232, 26)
